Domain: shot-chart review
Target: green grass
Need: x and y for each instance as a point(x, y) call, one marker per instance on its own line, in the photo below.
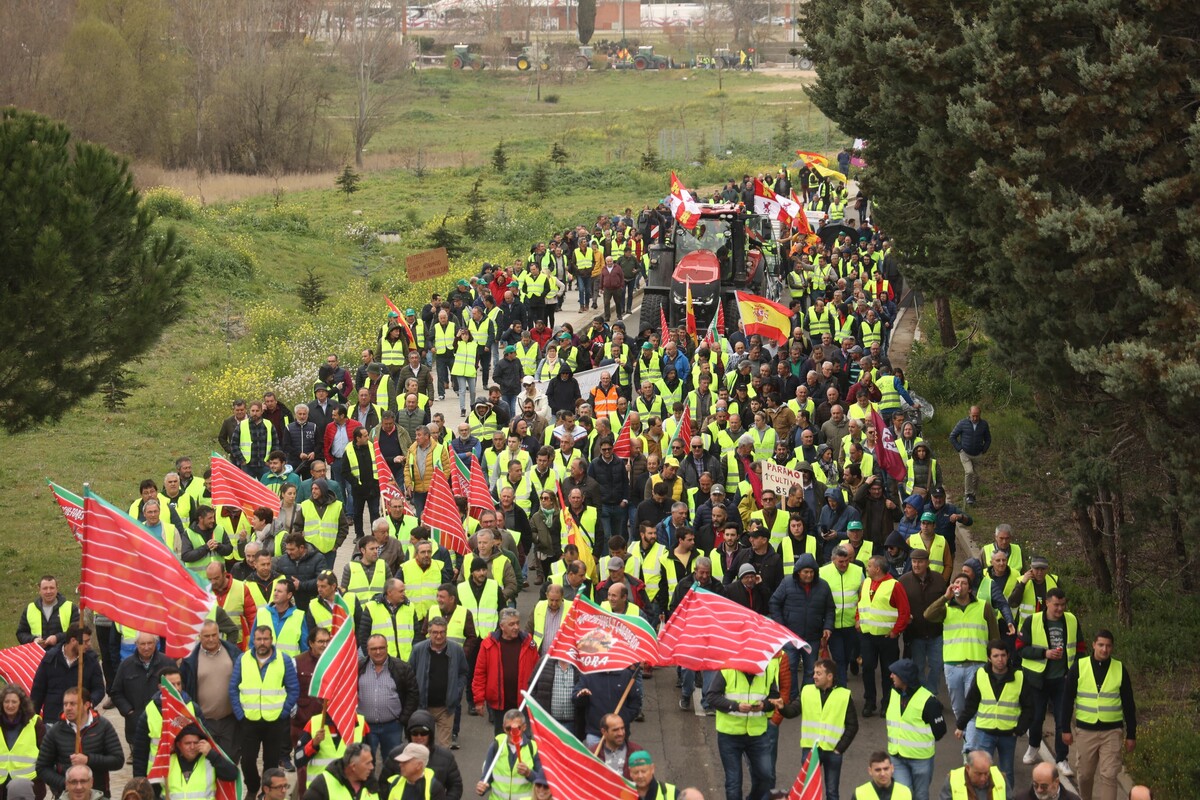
point(244, 325)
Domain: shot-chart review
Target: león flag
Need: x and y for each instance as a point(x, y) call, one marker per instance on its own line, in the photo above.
point(175, 717)
point(72, 508)
point(685, 209)
point(335, 677)
point(232, 487)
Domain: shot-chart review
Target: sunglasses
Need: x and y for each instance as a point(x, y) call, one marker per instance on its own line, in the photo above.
point(418, 732)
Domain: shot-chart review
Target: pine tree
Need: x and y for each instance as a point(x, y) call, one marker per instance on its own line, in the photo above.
point(499, 158)
point(559, 155)
point(311, 292)
point(348, 181)
point(443, 236)
point(89, 281)
point(117, 389)
point(784, 139)
point(475, 223)
point(539, 180)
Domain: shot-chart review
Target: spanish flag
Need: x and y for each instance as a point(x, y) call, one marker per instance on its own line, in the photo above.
point(764, 317)
point(691, 313)
point(811, 158)
point(577, 536)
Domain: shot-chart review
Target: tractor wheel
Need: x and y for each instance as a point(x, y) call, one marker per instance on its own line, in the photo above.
point(523, 64)
point(477, 64)
point(640, 63)
point(544, 65)
point(731, 314)
point(582, 62)
point(806, 63)
point(652, 304)
point(457, 63)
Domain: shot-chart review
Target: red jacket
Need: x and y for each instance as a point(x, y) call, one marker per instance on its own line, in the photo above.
point(488, 684)
point(331, 430)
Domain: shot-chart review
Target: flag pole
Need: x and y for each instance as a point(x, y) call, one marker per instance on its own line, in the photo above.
point(524, 701)
point(79, 677)
point(621, 702)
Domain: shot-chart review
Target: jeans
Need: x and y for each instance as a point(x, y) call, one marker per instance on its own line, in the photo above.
point(878, 651)
point(585, 290)
point(483, 363)
point(1003, 749)
point(444, 362)
point(915, 773)
point(418, 501)
point(689, 685)
point(337, 472)
point(843, 648)
point(630, 288)
point(756, 749)
point(1049, 698)
point(959, 678)
point(271, 736)
point(464, 384)
point(511, 401)
point(797, 657)
point(927, 655)
point(772, 737)
point(613, 519)
point(330, 558)
point(384, 737)
point(831, 767)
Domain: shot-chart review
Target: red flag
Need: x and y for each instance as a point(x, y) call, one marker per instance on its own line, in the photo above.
point(685, 209)
point(72, 508)
point(441, 514)
point(335, 677)
point(685, 428)
point(19, 664)
point(232, 487)
point(664, 328)
point(721, 318)
point(134, 579)
point(176, 717)
point(478, 496)
point(800, 221)
point(810, 783)
point(886, 453)
point(595, 640)
point(387, 480)
point(621, 446)
point(573, 771)
point(709, 632)
point(400, 320)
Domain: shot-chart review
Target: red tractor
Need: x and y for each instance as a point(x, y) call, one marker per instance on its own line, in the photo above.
point(729, 250)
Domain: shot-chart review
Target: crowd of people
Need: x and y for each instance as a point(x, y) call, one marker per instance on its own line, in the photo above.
point(862, 565)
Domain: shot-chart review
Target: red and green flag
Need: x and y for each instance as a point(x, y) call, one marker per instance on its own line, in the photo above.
point(232, 487)
point(709, 632)
point(72, 508)
point(335, 678)
point(478, 496)
point(595, 640)
point(810, 783)
point(574, 773)
point(441, 514)
point(175, 717)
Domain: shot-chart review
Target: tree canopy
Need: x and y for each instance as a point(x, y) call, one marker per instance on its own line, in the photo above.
point(89, 285)
point(1040, 161)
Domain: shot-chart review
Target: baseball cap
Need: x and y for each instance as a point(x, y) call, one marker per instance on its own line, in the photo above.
point(528, 379)
point(760, 531)
point(671, 462)
point(411, 751)
point(929, 516)
point(938, 491)
point(615, 562)
point(854, 526)
point(510, 349)
point(640, 759)
point(1039, 562)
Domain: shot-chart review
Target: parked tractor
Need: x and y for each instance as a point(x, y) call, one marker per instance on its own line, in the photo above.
point(642, 60)
point(728, 251)
point(530, 56)
point(583, 60)
point(463, 58)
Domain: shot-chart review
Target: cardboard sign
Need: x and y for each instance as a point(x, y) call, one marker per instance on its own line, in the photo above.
point(426, 265)
point(779, 478)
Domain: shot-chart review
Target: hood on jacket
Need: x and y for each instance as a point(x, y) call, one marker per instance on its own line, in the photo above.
point(805, 561)
point(915, 502)
point(907, 670)
point(420, 719)
point(327, 495)
point(822, 449)
point(976, 570)
point(836, 494)
point(895, 539)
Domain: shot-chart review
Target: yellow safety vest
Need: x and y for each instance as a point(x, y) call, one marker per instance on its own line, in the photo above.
point(396, 785)
point(957, 781)
point(909, 736)
point(262, 695)
point(329, 750)
point(421, 584)
point(456, 626)
point(845, 587)
point(965, 633)
point(481, 332)
point(1037, 630)
point(244, 438)
point(200, 785)
point(889, 396)
point(778, 529)
point(998, 713)
point(321, 531)
point(235, 604)
point(362, 588)
point(539, 619)
point(154, 722)
point(527, 356)
point(34, 616)
point(336, 790)
point(871, 334)
point(466, 354)
point(352, 462)
point(287, 638)
point(868, 792)
point(392, 354)
point(648, 567)
point(876, 615)
point(482, 428)
point(740, 689)
point(486, 612)
point(19, 760)
point(786, 547)
point(1029, 601)
point(1015, 561)
point(443, 337)
point(937, 552)
point(1099, 704)
point(507, 783)
point(398, 629)
point(256, 594)
point(822, 725)
point(322, 616)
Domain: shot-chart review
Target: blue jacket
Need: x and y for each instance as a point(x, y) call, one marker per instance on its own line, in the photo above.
point(972, 440)
point(806, 611)
point(613, 479)
point(606, 690)
point(456, 678)
point(837, 518)
point(291, 684)
point(682, 366)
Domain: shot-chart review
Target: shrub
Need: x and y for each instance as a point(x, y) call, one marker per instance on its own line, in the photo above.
point(171, 203)
point(550, 98)
point(1165, 757)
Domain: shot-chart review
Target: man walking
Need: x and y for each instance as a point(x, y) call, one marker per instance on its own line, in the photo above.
point(883, 615)
point(1049, 643)
point(1101, 694)
point(263, 690)
point(915, 722)
point(971, 439)
point(743, 703)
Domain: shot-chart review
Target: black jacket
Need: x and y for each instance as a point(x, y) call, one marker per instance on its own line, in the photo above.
point(50, 627)
point(318, 791)
point(441, 761)
point(974, 697)
point(135, 685)
point(406, 685)
point(613, 479)
point(53, 677)
point(99, 742)
point(507, 376)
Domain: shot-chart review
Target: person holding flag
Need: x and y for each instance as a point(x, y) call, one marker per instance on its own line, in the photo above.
point(512, 759)
point(744, 701)
point(196, 766)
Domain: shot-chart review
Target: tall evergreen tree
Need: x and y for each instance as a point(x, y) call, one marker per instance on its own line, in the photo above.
point(89, 285)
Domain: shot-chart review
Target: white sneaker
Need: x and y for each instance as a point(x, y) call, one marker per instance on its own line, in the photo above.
point(1064, 768)
point(1031, 755)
